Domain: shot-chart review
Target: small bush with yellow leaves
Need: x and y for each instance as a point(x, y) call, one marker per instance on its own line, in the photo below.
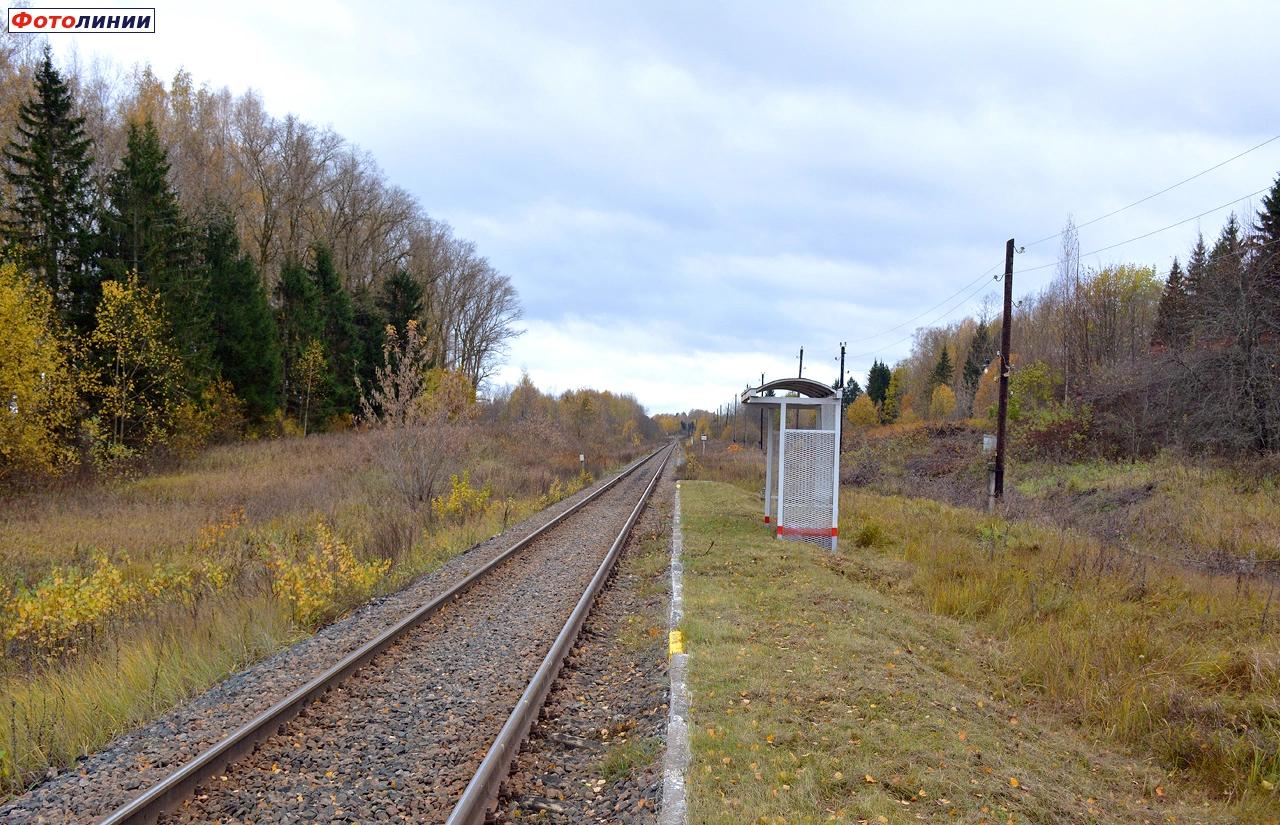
point(326, 580)
point(463, 500)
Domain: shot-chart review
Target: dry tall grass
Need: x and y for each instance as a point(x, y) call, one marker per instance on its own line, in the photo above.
point(826, 690)
point(1182, 666)
point(1164, 661)
point(1209, 513)
point(718, 461)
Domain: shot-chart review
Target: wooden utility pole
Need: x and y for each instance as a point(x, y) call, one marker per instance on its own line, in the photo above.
point(1006, 329)
point(842, 345)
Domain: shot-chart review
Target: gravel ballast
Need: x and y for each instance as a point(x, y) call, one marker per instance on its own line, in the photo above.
point(595, 755)
point(106, 780)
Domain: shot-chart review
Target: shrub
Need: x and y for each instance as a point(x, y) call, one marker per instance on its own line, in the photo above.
point(67, 604)
point(862, 413)
point(326, 580)
point(218, 415)
point(39, 401)
point(942, 404)
point(1058, 432)
point(463, 500)
point(870, 534)
point(1031, 388)
point(71, 604)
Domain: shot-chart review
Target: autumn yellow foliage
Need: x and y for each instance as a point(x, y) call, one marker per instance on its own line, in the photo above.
point(317, 585)
point(862, 413)
point(558, 490)
point(448, 393)
point(38, 405)
point(71, 603)
point(136, 372)
point(463, 500)
point(66, 603)
point(943, 403)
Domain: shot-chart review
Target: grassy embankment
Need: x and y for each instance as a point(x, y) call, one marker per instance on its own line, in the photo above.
point(1209, 512)
point(946, 666)
point(119, 600)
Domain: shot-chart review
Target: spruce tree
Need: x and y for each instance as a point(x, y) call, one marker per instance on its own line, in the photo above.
point(143, 231)
point(1233, 310)
point(1220, 295)
point(371, 323)
point(1267, 279)
point(981, 352)
point(848, 393)
point(878, 381)
point(1268, 256)
point(246, 349)
point(944, 370)
point(1173, 321)
point(142, 228)
point(1197, 282)
point(48, 170)
point(299, 322)
point(400, 300)
point(341, 336)
point(976, 360)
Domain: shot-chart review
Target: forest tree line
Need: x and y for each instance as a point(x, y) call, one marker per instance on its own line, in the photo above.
point(177, 264)
point(1118, 359)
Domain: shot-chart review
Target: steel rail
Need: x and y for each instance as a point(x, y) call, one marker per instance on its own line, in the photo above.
point(482, 791)
point(179, 785)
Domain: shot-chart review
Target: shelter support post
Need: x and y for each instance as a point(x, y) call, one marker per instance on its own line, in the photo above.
point(782, 463)
point(767, 436)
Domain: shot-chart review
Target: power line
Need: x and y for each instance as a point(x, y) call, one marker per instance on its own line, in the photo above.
point(1089, 222)
point(1249, 248)
point(1154, 231)
point(963, 302)
point(1201, 173)
point(943, 302)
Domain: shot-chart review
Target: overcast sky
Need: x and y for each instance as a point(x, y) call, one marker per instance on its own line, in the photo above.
point(686, 193)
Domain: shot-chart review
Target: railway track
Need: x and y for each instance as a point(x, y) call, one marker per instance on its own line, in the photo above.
point(420, 723)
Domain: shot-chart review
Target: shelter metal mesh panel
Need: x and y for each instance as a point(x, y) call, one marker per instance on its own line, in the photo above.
point(807, 486)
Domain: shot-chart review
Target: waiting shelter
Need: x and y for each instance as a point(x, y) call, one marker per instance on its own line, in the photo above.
point(801, 431)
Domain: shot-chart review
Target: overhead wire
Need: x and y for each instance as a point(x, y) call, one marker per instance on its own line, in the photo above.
point(1201, 173)
point(1247, 249)
point(1152, 232)
point(1090, 222)
point(962, 303)
point(943, 302)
